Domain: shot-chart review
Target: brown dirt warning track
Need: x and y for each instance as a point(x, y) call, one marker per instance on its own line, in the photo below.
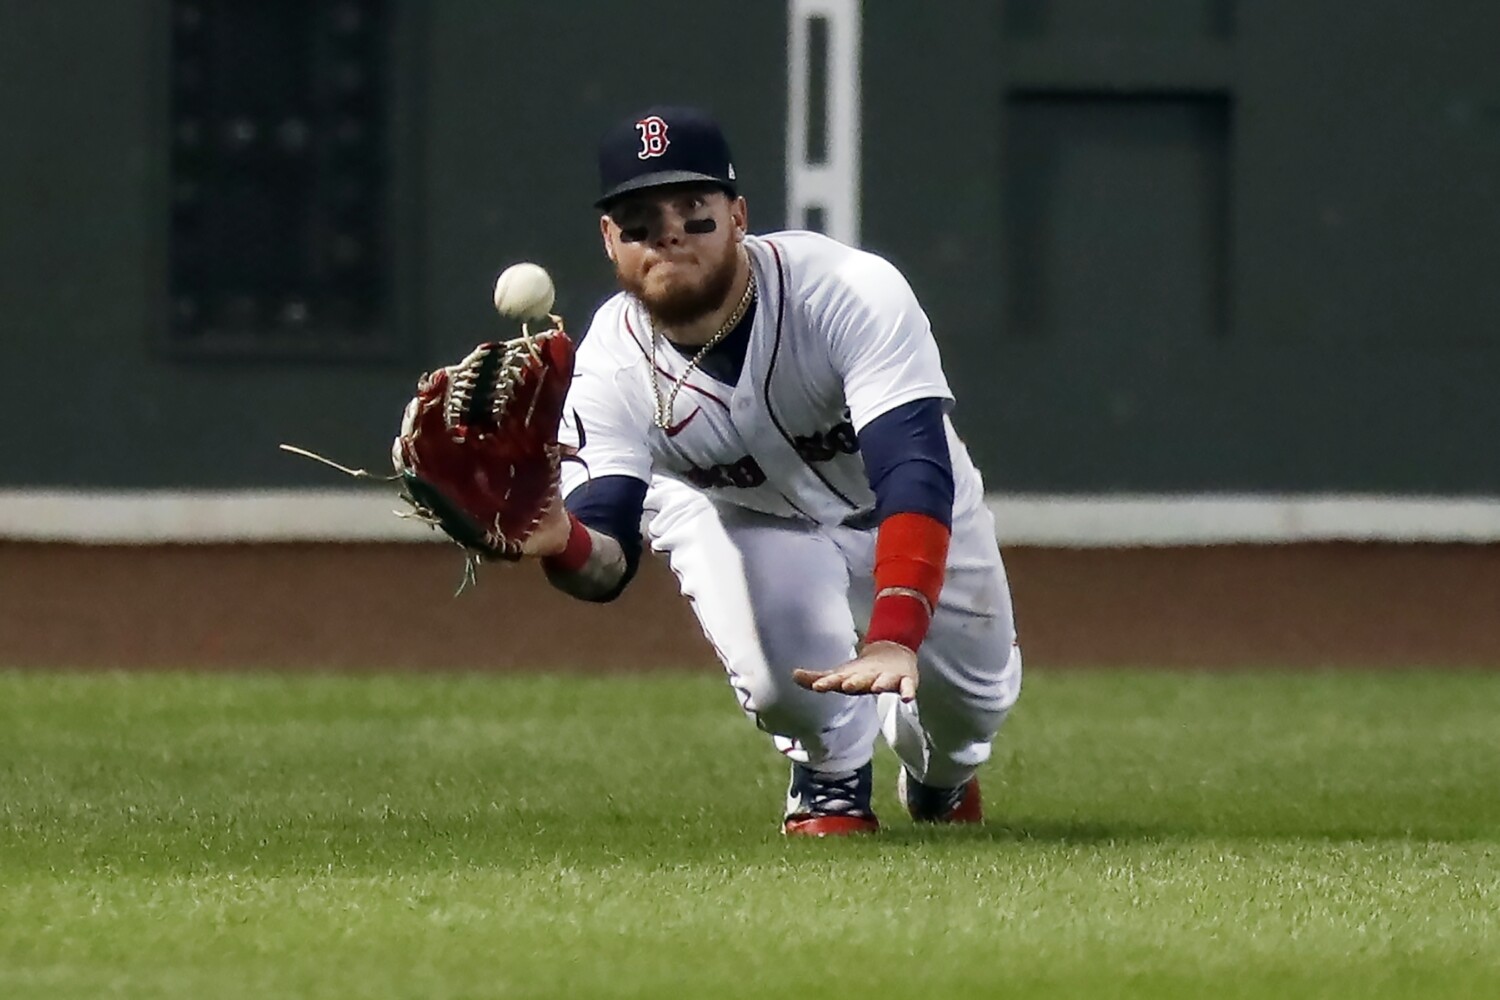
point(390, 607)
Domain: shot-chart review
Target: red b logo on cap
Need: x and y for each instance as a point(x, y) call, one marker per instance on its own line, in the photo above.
point(654, 141)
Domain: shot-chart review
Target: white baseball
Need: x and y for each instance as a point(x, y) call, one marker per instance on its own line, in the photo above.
point(524, 291)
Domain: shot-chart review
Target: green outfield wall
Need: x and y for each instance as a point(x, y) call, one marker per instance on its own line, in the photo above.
point(1190, 245)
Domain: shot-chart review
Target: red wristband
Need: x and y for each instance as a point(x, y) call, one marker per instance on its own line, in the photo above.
point(899, 618)
point(911, 555)
point(911, 551)
point(575, 555)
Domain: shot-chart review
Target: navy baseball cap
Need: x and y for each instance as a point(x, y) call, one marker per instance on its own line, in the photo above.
point(663, 145)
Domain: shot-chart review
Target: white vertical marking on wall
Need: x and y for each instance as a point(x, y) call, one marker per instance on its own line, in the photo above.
point(831, 187)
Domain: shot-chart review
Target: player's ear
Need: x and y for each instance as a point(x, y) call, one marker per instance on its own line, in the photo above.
point(607, 236)
point(740, 213)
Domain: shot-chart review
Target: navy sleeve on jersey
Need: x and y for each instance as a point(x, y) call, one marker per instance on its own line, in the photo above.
point(612, 505)
point(906, 459)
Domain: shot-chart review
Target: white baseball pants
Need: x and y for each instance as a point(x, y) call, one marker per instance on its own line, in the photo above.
point(773, 595)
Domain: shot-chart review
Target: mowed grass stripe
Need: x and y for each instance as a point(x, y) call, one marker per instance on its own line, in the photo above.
point(1153, 834)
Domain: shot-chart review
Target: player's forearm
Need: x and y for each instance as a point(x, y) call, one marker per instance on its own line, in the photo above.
point(911, 473)
point(604, 541)
point(911, 556)
point(591, 567)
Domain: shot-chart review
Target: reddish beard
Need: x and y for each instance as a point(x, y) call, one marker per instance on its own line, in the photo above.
point(681, 305)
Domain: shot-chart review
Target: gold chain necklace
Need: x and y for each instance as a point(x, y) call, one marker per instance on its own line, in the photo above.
point(664, 409)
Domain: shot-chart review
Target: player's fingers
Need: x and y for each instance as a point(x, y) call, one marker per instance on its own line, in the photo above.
point(858, 683)
point(808, 678)
point(819, 680)
point(845, 681)
point(898, 682)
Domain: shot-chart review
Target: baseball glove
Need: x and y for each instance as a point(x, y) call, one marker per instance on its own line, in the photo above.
point(478, 455)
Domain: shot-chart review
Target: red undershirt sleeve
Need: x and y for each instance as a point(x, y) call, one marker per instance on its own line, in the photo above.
point(911, 553)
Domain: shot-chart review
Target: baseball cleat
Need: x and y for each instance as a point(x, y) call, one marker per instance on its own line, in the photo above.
point(829, 804)
point(930, 804)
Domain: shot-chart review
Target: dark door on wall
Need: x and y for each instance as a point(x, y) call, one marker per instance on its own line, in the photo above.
point(1200, 244)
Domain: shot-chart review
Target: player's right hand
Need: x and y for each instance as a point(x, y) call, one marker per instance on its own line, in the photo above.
point(550, 536)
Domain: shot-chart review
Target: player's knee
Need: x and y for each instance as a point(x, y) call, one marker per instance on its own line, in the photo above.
point(763, 696)
point(779, 705)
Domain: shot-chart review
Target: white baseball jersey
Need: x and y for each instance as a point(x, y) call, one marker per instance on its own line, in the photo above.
point(838, 339)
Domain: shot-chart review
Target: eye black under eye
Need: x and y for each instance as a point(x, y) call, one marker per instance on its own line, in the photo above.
point(634, 234)
point(700, 227)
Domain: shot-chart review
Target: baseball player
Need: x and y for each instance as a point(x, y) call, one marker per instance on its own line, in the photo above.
point(776, 406)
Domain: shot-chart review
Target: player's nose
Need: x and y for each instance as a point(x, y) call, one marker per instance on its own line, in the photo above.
point(669, 230)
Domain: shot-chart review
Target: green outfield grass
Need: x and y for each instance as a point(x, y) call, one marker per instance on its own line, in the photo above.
point(1152, 835)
